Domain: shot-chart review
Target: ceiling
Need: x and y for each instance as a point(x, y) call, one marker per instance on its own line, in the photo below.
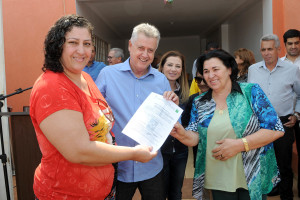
point(180, 18)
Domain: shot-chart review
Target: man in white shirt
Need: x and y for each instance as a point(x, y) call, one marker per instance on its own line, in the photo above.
point(280, 81)
point(291, 40)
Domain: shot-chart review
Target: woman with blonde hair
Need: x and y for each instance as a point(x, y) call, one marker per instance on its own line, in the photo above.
point(175, 153)
point(244, 58)
point(178, 80)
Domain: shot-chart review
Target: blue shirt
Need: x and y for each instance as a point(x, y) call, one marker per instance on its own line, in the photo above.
point(94, 69)
point(125, 93)
point(280, 85)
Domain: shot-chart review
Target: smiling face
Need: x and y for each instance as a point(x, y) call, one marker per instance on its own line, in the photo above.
point(292, 46)
point(172, 68)
point(141, 54)
point(77, 50)
point(216, 74)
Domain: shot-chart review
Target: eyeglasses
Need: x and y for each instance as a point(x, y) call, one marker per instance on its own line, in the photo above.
point(198, 79)
point(106, 110)
point(109, 57)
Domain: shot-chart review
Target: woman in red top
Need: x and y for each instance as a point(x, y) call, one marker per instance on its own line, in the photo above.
point(73, 121)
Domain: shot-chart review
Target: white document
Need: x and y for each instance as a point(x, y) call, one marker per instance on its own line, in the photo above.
point(153, 121)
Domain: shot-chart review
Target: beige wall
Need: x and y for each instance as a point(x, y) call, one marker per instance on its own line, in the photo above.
point(25, 25)
point(246, 29)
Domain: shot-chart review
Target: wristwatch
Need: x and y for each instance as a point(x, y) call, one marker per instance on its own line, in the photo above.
point(297, 115)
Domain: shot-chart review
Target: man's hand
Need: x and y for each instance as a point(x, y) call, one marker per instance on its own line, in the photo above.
point(291, 123)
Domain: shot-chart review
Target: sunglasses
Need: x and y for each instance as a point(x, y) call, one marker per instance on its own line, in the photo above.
point(198, 79)
point(106, 110)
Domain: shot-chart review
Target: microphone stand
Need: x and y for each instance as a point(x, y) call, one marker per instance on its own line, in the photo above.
point(3, 156)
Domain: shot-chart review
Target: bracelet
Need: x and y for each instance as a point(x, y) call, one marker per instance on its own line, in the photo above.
point(245, 144)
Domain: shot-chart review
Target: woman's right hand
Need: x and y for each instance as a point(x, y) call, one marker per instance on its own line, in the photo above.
point(143, 153)
point(188, 138)
point(178, 131)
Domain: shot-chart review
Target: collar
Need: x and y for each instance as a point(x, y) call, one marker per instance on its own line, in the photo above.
point(235, 88)
point(177, 86)
point(278, 64)
point(286, 59)
point(126, 67)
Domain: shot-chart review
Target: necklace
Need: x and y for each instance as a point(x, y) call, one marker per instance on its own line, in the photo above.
point(222, 108)
point(221, 105)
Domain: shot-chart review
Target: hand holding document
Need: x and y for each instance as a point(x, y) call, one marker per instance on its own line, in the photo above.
point(153, 121)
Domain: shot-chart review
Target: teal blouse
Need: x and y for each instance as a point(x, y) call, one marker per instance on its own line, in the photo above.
point(249, 110)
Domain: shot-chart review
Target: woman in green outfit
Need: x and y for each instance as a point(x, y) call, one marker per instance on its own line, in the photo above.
point(235, 125)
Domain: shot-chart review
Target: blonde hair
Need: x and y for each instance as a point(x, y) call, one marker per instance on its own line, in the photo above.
point(182, 80)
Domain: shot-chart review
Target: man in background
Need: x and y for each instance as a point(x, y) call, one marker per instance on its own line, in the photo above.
point(291, 40)
point(115, 56)
point(280, 81)
point(93, 67)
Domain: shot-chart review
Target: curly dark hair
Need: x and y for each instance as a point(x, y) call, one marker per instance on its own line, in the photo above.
point(56, 38)
point(227, 59)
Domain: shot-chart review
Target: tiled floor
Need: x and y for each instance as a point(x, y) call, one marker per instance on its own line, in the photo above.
point(188, 182)
point(187, 188)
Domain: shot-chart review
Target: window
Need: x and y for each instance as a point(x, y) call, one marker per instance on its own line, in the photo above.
point(101, 49)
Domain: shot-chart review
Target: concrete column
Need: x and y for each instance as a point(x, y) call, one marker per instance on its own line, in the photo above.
point(267, 17)
point(225, 37)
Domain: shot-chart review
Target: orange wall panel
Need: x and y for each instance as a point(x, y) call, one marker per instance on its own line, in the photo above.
point(285, 16)
point(278, 21)
point(25, 25)
point(291, 12)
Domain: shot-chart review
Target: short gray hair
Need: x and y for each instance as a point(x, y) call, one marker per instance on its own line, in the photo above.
point(147, 29)
point(118, 53)
point(271, 37)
